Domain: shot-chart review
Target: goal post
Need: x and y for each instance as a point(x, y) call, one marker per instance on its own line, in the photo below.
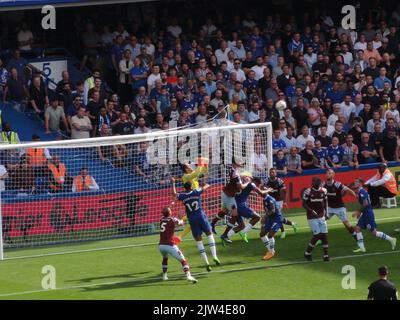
point(113, 187)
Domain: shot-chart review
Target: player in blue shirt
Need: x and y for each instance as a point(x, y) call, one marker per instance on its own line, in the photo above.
point(244, 211)
point(366, 218)
point(273, 223)
point(198, 221)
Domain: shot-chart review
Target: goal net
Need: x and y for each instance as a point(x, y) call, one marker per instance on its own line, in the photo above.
point(103, 188)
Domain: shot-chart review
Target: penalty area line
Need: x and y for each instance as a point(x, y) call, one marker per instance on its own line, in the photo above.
point(180, 277)
point(138, 245)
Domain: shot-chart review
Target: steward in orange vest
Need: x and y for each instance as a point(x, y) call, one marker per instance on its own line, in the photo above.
point(57, 175)
point(382, 185)
point(37, 157)
point(84, 182)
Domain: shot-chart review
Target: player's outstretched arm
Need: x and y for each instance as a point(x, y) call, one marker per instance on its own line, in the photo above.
point(205, 187)
point(348, 190)
point(193, 175)
point(179, 222)
point(244, 185)
point(263, 193)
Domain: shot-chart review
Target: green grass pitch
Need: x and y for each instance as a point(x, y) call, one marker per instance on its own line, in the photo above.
point(131, 268)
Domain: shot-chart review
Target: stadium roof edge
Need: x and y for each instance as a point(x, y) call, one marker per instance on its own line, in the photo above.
point(15, 5)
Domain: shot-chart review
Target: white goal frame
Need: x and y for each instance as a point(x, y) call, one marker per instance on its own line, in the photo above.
point(128, 139)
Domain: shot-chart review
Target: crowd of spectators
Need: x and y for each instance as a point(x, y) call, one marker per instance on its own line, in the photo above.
point(331, 94)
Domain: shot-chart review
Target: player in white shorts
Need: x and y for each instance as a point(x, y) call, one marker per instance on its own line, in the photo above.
point(315, 203)
point(336, 207)
point(167, 244)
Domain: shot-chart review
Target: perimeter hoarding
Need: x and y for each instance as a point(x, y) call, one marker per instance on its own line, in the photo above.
point(125, 210)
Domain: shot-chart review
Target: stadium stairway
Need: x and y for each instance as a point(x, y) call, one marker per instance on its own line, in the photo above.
point(25, 124)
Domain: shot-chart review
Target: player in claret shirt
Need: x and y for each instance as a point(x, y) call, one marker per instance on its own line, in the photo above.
point(336, 190)
point(315, 203)
point(366, 218)
point(167, 245)
point(229, 205)
point(279, 194)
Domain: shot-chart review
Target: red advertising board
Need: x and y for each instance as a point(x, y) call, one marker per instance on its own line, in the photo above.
point(296, 185)
point(124, 210)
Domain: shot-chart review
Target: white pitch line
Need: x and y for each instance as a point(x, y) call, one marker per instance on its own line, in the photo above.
point(140, 245)
point(286, 264)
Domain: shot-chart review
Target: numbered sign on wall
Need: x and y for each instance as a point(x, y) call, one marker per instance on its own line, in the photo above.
point(52, 71)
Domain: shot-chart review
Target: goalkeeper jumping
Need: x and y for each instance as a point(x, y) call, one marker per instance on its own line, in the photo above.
point(192, 176)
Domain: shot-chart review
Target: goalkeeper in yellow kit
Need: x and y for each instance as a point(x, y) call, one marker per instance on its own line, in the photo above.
point(192, 176)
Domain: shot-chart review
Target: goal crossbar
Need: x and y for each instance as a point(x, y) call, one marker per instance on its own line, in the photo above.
point(113, 198)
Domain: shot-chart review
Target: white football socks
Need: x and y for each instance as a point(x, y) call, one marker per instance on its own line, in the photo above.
point(212, 245)
point(202, 251)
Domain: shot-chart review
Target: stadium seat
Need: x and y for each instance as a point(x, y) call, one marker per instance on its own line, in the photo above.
point(389, 202)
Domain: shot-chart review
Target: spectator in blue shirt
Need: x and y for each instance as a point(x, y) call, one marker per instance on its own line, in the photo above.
point(155, 93)
point(197, 53)
point(188, 103)
point(336, 95)
point(278, 143)
point(381, 80)
point(117, 52)
point(199, 96)
point(273, 56)
point(296, 44)
point(290, 90)
point(321, 154)
point(250, 84)
point(280, 163)
point(256, 51)
point(256, 37)
point(139, 75)
point(210, 84)
point(18, 63)
point(163, 101)
point(335, 153)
